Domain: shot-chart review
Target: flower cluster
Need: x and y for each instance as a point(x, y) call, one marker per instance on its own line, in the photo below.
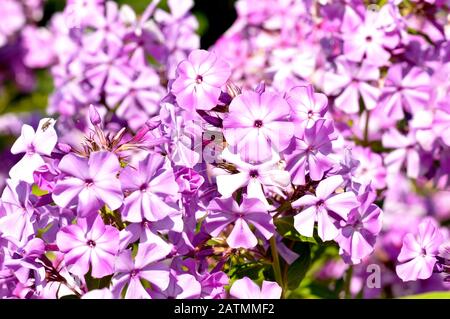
point(320, 138)
point(384, 68)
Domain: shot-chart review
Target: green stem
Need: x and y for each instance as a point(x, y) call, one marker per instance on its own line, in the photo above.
point(347, 282)
point(366, 129)
point(276, 264)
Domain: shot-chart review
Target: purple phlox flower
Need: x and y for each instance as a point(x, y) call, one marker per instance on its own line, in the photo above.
point(257, 124)
point(81, 13)
point(179, 34)
point(212, 283)
point(370, 169)
point(148, 231)
point(17, 211)
point(325, 207)
point(292, 62)
point(199, 80)
point(256, 178)
point(34, 145)
point(347, 164)
point(364, 37)
point(107, 28)
point(150, 187)
point(137, 97)
point(181, 286)
point(24, 259)
point(405, 89)
point(405, 150)
point(350, 81)
point(252, 211)
point(246, 288)
point(425, 128)
point(309, 153)
point(307, 106)
point(358, 233)
point(89, 242)
point(418, 254)
point(99, 65)
point(72, 89)
point(89, 183)
point(147, 265)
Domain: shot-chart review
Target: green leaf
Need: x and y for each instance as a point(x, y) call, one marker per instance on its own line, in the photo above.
point(285, 227)
point(252, 270)
point(429, 295)
point(35, 190)
point(299, 268)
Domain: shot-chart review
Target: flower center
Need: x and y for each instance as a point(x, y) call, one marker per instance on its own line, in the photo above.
point(369, 38)
point(320, 203)
point(253, 173)
point(134, 272)
point(310, 114)
point(91, 243)
point(258, 123)
point(199, 79)
point(31, 149)
point(143, 187)
point(423, 252)
point(89, 182)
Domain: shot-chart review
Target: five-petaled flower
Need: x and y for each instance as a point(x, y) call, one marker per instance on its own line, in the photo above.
point(89, 183)
point(89, 243)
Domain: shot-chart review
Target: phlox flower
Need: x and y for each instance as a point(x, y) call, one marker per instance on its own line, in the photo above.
point(406, 151)
point(309, 153)
point(418, 254)
point(223, 212)
point(181, 286)
point(325, 208)
point(199, 80)
point(307, 106)
point(405, 89)
point(246, 288)
point(17, 212)
point(359, 231)
point(370, 169)
point(350, 81)
point(34, 145)
point(149, 186)
point(254, 177)
point(89, 183)
point(257, 124)
point(137, 97)
point(146, 265)
point(24, 260)
point(365, 38)
point(89, 242)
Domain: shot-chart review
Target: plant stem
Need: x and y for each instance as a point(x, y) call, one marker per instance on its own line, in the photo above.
point(366, 129)
point(347, 282)
point(276, 264)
